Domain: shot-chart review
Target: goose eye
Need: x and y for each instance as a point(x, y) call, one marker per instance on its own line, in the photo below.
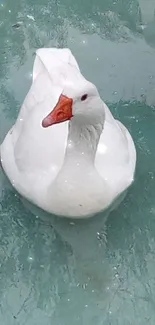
point(84, 97)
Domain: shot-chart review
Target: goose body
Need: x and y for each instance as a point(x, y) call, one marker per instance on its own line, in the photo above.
point(66, 153)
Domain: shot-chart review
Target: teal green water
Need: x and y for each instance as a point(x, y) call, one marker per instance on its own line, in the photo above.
point(99, 272)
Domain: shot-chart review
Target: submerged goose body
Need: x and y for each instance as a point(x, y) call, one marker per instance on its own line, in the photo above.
point(66, 153)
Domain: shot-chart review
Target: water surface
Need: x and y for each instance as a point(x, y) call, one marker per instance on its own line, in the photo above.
point(100, 272)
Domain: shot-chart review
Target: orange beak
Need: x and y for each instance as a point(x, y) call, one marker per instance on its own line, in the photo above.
point(62, 112)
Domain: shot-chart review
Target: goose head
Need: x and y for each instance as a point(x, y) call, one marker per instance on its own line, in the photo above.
point(79, 100)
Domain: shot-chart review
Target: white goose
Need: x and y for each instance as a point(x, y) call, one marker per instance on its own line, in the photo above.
point(66, 153)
